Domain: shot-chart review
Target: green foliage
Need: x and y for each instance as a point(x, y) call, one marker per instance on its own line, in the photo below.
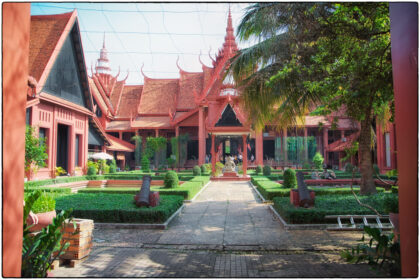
point(391, 204)
point(259, 169)
point(44, 203)
point(138, 150)
point(35, 150)
point(118, 208)
point(381, 252)
point(306, 165)
point(348, 167)
point(203, 168)
point(60, 171)
point(290, 180)
point(394, 189)
point(58, 191)
point(113, 167)
point(92, 170)
point(171, 179)
point(267, 170)
point(171, 161)
point(392, 173)
point(219, 168)
point(145, 164)
point(38, 250)
point(197, 171)
point(103, 167)
point(376, 170)
point(333, 54)
point(318, 160)
point(154, 146)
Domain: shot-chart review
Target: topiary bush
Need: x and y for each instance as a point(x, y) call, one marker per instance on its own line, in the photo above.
point(113, 167)
point(44, 203)
point(171, 179)
point(259, 169)
point(348, 167)
point(267, 170)
point(145, 164)
point(92, 170)
point(203, 169)
point(289, 178)
point(318, 160)
point(197, 171)
point(391, 204)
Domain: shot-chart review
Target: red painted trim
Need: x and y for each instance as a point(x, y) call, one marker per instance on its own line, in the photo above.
point(64, 103)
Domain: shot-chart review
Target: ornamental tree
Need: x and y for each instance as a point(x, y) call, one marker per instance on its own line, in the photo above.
point(35, 152)
point(332, 55)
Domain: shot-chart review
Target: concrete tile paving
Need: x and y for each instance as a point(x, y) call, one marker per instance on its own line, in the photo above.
point(226, 232)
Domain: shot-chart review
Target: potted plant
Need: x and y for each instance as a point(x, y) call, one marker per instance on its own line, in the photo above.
point(391, 207)
point(40, 250)
point(43, 212)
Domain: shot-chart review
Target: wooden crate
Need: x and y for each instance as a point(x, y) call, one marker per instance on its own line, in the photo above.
point(79, 237)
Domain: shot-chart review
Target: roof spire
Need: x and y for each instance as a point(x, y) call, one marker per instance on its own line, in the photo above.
point(229, 46)
point(103, 62)
point(103, 45)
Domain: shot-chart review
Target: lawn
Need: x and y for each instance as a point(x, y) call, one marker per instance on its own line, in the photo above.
point(118, 208)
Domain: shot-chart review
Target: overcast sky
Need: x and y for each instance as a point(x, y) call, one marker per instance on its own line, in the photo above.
point(151, 33)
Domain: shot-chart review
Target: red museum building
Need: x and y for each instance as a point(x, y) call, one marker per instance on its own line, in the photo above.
point(80, 114)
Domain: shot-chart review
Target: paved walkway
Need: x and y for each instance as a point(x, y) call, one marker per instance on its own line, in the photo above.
point(225, 232)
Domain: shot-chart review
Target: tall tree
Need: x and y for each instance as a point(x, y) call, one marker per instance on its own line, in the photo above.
point(333, 55)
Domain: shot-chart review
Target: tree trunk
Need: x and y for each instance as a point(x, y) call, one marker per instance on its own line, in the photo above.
point(367, 184)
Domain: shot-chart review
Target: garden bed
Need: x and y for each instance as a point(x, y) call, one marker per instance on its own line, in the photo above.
point(118, 208)
point(328, 205)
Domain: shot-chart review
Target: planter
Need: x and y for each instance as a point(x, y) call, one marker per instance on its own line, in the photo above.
point(394, 217)
point(294, 197)
point(42, 220)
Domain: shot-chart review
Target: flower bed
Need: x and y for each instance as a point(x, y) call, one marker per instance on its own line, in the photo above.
point(118, 208)
point(328, 205)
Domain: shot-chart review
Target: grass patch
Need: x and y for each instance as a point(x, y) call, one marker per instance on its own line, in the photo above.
point(328, 205)
point(118, 208)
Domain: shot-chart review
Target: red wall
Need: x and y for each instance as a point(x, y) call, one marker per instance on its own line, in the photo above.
point(16, 20)
point(404, 46)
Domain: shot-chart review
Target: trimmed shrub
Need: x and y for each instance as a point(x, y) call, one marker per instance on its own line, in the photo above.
point(289, 180)
point(145, 164)
point(197, 171)
point(348, 167)
point(44, 203)
point(318, 160)
point(171, 179)
point(113, 167)
point(394, 189)
point(92, 170)
point(328, 205)
point(267, 170)
point(391, 204)
point(203, 168)
point(259, 169)
point(48, 189)
point(118, 208)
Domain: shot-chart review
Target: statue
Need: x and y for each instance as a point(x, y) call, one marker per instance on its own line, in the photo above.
point(230, 165)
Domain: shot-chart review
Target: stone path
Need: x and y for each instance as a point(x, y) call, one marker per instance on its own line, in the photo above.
point(225, 232)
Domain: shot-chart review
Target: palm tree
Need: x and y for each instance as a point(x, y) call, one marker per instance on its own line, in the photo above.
point(324, 54)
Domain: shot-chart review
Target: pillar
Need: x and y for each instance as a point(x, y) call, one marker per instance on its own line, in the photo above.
point(325, 140)
point(213, 155)
point(305, 142)
point(201, 137)
point(259, 147)
point(285, 145)
point(244, 155)
point(176, 131)
point(156, 132)
point(404, 48)
point(120, 134)
point(16, 23)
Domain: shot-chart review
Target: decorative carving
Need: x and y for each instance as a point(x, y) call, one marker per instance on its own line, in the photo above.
point(230, 165)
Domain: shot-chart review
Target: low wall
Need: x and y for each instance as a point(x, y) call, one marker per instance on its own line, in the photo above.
point(340, 182)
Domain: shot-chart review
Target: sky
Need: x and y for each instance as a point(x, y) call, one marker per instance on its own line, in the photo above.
point(153, 34)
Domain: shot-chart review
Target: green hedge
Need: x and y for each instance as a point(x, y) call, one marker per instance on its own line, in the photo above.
point(58, 180)
point(127, 190)
point(340, 191)
point(118, 208)
point(48, 189)
point(328, 205)
point(187, 190)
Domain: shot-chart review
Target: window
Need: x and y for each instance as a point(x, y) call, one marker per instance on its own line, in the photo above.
point(28, 115)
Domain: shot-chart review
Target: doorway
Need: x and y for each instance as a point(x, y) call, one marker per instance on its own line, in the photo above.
point(62, 146)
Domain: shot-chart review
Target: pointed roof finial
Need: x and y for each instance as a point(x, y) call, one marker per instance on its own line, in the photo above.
point(103, 44)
